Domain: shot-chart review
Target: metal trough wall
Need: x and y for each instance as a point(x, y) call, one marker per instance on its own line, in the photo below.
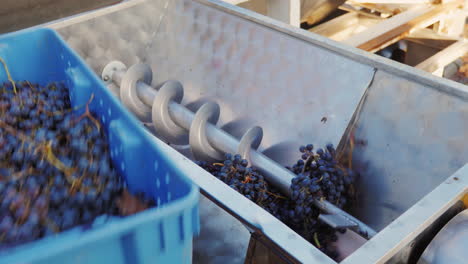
point(413, 139)
point(263, 72)
point(410, 138)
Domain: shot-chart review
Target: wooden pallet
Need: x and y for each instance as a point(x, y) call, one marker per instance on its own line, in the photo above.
point(428, 26)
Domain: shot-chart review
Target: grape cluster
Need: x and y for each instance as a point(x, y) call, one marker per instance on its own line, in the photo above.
point(55, 168)
point(319, 176)
point(235, 172)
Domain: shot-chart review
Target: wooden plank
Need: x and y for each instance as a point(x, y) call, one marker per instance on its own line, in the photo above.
point(365, 11)
point(344, 26)
point(336, 25)
point(444, 57)
point(452, 24)
point(397, 27)
point(426, 33)
point(384, 10)
point(430, 38)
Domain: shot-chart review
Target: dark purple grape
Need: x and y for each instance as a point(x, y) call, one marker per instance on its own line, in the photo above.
point(6, 224)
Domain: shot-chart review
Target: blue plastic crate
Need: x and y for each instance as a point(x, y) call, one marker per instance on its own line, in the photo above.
point(159, 235)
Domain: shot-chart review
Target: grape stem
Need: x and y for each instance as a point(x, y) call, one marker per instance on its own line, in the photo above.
point(30, 86)
point(52, 159)
point(309, 161)
point(319, 180)
point(8, 74)
point(316, 240)
point(88, 114)
point(275, 195)
point(247, 179)
point(28, 210)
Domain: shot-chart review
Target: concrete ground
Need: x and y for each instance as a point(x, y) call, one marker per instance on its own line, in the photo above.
point(19, 14)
